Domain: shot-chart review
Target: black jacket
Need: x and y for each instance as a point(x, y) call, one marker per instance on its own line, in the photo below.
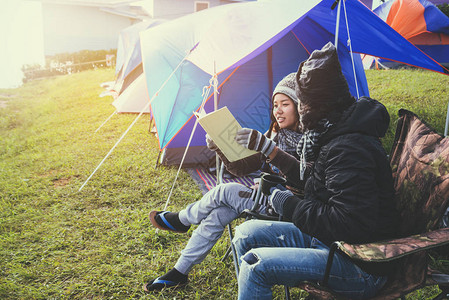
point(349, 195)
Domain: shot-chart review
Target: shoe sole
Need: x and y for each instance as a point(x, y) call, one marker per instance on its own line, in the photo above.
point(171, 287)
point(152, 217)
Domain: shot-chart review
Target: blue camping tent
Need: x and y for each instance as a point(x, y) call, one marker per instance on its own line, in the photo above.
point(251, 46)
point(129, 58)
point(129, 88)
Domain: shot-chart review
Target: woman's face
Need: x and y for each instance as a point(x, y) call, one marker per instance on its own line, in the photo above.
point(285, 112)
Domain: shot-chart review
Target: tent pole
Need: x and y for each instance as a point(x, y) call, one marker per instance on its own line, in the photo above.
point(337, 24)
point(180, 166)
point(349, 42)
point(206, 91)
point(137, 118)
point(447, 120)
point(217, 158)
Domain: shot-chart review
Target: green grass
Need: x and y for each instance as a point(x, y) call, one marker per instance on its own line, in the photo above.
point(423, 92)
point(58, 243)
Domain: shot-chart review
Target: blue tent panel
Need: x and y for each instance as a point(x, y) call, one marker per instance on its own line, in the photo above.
point(261, 58)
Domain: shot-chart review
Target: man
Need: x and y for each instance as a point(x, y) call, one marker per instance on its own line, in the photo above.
point(348, 195)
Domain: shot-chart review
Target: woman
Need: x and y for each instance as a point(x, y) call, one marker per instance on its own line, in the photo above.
point(225, 202)
point(348, 197)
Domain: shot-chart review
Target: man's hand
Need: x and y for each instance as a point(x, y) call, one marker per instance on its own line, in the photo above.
point(278, 198)
point(277, 187)
point(254, 140)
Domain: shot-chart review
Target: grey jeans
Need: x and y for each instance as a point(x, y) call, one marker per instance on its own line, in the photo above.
point(212, 213)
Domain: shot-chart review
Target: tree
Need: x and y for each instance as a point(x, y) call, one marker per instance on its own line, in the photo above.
point(444, 8)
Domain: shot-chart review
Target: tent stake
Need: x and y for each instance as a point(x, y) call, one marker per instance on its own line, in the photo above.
point(157, 160)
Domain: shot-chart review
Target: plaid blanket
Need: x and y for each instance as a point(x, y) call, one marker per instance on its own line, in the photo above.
point(206, 181)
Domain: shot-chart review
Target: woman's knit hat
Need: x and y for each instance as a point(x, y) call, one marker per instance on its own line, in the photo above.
point(320, 80)
point(287, 87)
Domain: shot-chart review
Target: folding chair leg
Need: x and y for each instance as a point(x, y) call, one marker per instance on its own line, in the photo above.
point(330, 259)
point(234, 253)
point(287, 292)
point(227, 254)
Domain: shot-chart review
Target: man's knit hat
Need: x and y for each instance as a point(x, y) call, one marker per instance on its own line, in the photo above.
point(320, 80)
point(287, 87)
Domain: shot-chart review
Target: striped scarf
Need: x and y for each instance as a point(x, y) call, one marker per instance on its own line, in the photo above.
point(287, 140)
point(308, 147)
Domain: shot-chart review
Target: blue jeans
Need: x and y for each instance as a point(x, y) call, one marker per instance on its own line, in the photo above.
point(219, 207)
point(279, 253)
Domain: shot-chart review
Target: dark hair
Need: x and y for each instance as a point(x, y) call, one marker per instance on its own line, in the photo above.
point(311, 114)
point(322, 88)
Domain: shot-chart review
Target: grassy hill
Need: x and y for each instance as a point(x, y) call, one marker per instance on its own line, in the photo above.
point(58, 243)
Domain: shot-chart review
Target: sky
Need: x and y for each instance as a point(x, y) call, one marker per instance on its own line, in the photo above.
point(22, 39)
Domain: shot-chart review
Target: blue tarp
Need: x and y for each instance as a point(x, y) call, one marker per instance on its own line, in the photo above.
point(252, 46)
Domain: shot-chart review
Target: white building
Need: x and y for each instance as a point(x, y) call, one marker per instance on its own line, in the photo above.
point(74, 25)
point(171, 9)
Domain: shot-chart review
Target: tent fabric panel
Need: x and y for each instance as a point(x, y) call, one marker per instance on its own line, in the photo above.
point(402, 15)
point(430, 38)
point(288, 53)
point(120, 59)
point(384, 9)
point(269, 43)
point(407, 17)
point(134, 57)
point(436, 31)
point(439, 52)
point(375, 37)
point(197, 156)
point(317, 38)
point(188, 98)
point(134, 99)
point(436, 20)
point(245, 32)
point(174, 105)
point(131, 41)
point(164, 102)
point(246, 87)
point(163, 48)
point(181, 138)
point(129, 79)
point(246, 93)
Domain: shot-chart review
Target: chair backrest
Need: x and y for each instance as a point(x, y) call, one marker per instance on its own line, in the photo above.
point(420, 164)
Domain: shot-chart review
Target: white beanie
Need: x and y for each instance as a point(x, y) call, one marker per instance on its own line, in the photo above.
point(287, 87)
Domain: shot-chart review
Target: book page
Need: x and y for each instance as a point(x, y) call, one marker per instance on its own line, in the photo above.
point(222, 127)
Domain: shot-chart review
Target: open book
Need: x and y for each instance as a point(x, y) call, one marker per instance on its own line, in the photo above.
point(222, 128)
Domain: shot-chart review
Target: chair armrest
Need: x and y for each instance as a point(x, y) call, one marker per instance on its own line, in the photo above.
point(248, 213)
point(393, 249)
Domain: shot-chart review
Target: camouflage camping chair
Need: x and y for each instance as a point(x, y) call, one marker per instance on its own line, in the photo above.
point(420, 164)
